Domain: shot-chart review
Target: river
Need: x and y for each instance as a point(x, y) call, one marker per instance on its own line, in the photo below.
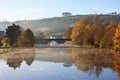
point(60, 64)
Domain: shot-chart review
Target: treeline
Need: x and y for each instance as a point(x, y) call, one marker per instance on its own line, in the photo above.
point(58, 25)
point(16, 36)
point(95, 33)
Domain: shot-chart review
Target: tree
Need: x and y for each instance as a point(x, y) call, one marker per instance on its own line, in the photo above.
point(99, 33)
point(68, 33)
point(20, 41)
point(5, 42)
point(77, 32)
point(98, 30)
point(107, 41)
point(27, 39)
point(86, 34)
point(116, 38)
point(39, 34)
point(66, 14)
point(13, 32)
point(96, 21)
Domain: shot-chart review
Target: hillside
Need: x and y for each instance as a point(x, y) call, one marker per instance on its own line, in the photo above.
point(56, 25)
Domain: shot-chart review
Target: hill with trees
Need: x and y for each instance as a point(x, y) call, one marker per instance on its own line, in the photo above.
point(58, 25)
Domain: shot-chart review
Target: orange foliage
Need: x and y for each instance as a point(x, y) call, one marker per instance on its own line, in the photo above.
point(68, 33)
point(77, 32)
point(116, 38)
point(106, 41)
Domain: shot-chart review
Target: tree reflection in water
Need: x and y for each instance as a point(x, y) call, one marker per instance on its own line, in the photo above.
point(116, 62)
point(93, 61)
point(14, 59)
point(90, 60)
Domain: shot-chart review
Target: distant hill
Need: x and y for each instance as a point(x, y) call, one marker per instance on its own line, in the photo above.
point(56, 25)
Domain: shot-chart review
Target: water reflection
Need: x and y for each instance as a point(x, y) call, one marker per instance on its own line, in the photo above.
point(75, 61)
point(116, 62)
point(58, 55)
point(14, 59)
point(94, 61)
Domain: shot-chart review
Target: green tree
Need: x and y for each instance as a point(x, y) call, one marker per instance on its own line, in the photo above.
point(13, 32)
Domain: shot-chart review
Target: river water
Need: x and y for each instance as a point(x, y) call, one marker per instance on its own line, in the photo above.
point(60, 64)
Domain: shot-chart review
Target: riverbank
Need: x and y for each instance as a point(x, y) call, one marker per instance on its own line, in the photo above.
point(56, 46)
point(6, 50)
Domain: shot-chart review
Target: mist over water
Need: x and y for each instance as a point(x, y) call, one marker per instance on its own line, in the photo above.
point(59, 64)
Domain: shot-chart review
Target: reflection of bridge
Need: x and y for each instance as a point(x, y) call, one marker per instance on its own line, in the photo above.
point(58, 40)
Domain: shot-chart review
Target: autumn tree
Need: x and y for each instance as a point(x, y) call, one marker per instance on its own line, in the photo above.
point(107, 40)
point(96, 21)
point(94, 33)
point(116, 38)
point(86, 34)
point(99, 33)
point(5, 42)
point(77, 32)
point(21, 41)
point(68, 33)
point(98, 30)
point(27, 39)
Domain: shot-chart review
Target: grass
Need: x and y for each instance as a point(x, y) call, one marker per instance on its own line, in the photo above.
point(6, 50)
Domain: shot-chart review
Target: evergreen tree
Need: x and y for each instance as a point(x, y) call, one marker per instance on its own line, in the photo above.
point(13, 32)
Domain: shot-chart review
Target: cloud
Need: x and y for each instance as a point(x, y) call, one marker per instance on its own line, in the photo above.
point(36, 10)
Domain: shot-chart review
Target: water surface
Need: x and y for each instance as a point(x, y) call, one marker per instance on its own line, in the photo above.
point(60, 64)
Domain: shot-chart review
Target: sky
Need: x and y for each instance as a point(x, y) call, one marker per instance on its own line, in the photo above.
point(13, 10)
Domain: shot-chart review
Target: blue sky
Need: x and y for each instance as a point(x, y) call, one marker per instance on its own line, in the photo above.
point(12, 10)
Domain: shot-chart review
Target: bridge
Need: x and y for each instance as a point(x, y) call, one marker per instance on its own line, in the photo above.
point(58, 40)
